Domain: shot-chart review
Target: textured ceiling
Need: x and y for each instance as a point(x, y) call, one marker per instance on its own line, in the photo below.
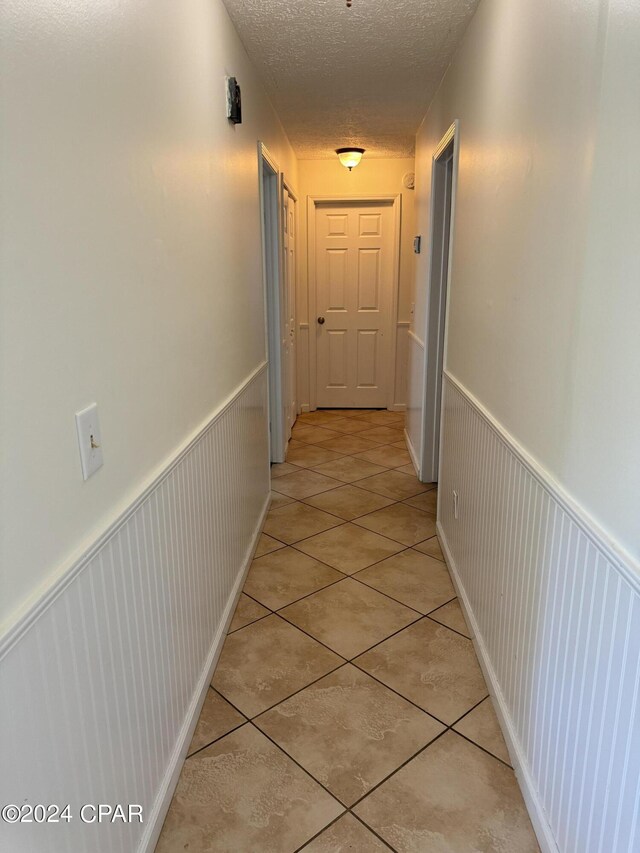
point(360, 76)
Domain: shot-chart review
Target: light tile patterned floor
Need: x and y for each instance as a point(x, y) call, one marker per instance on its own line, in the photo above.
point(348, 711)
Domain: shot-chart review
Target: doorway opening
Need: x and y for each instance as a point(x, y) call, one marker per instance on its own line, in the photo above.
point(272, 268)
point(354, 258)
point(290, 240)
point(443, 187)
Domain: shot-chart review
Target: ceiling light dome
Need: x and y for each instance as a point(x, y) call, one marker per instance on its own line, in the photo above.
point(350, 157)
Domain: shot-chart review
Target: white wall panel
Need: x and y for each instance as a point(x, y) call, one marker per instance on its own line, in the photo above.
point(402, 365)
point(415, 394)
point(556, 614)
point(105, 681)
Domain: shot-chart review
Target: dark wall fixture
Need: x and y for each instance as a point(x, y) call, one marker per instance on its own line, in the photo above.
point(234, 102)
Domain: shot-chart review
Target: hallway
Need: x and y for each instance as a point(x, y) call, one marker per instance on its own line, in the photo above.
point(348, 710)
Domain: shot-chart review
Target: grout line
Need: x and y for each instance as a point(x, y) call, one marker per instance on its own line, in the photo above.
point(354, 662)
point(215, 740)
point(455, 723)
point(375, 563)
point(372, 830)
point(313, 837)
point(459, 633)
point(398, 768)
point(488, 752)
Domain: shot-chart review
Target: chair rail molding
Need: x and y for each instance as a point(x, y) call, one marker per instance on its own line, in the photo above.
point(554, 606)
point(110, 668)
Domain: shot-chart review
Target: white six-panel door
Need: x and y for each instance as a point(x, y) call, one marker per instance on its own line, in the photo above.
point(354, 273)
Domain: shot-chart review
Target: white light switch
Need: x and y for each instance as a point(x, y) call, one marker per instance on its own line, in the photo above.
point(90, 440)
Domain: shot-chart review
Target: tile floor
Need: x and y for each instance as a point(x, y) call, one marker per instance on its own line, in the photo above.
point(348, 711)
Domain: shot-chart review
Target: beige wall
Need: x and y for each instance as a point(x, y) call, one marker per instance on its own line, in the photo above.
point(131, 256)
point(371, 177)
point(545, 300)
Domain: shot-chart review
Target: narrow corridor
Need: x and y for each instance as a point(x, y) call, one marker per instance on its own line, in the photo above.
point(348, 710)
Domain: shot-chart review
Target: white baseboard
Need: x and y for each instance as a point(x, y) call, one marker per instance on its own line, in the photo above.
point(527, 786)
point(165, 795)
point(412, 453)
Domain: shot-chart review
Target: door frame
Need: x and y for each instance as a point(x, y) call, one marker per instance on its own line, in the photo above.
point(314, 201)
point(273, 283)
point(286, 187)
point(437, 316)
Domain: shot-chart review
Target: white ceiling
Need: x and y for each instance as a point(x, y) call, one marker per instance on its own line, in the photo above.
point(361, 76)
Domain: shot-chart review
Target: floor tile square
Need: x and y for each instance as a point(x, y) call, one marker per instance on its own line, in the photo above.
point(247, 611)
point(267, 544)
point(287, 575)
point(431, 547)
point(430, 665)
point(303, 484)
point(482, 727)
point(383, 435)
point(278, 469)
point(387, 456)
point(350, 617)
point(348, 731)
point(359, 413)
point(278, 499)
point(412, 578)
point(349, 444)
point(451, 797)
point(348, 469)
point(349, 548)
point(384, 418)
point(452, 616)
point(346, 834)
point(319, 417)
point(348, 501)
point(217, 719)
point(427, 502)
point(310, 455)
point(308, 434)
point(394, 484)
point(267, 661)
point(403, 523)
point(409, 469)
point(244, 794)
point(297, 521)
point(349, 426)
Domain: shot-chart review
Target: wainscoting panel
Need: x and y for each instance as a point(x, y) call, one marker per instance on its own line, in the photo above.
point(415, 397)
point(556, 614)
point(101, 688)
point(402, 364)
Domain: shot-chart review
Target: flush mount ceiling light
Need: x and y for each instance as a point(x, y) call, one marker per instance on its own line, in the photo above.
point(349, 157)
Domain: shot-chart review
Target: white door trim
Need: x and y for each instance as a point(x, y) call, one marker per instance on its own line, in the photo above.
point(396, 207)
point(272, 276)
point(427, 467)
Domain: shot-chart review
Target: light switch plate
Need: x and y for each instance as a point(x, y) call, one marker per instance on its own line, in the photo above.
point(90, 440)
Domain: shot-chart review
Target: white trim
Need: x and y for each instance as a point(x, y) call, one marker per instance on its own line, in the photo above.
point(412, 453)
point(415, 338)
point(165, 794)
point(624, 562)
point(396, 206)
point(273, 288)
point(527, 785)
point(427, 446)
point(67, 574)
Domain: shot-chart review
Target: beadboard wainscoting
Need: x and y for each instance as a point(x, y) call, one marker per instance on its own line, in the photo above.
point(555, 610)
point(415, 397)
point(105, 682)
point(401, 366)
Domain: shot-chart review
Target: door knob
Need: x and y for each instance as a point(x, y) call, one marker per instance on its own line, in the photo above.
point(321, 321)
